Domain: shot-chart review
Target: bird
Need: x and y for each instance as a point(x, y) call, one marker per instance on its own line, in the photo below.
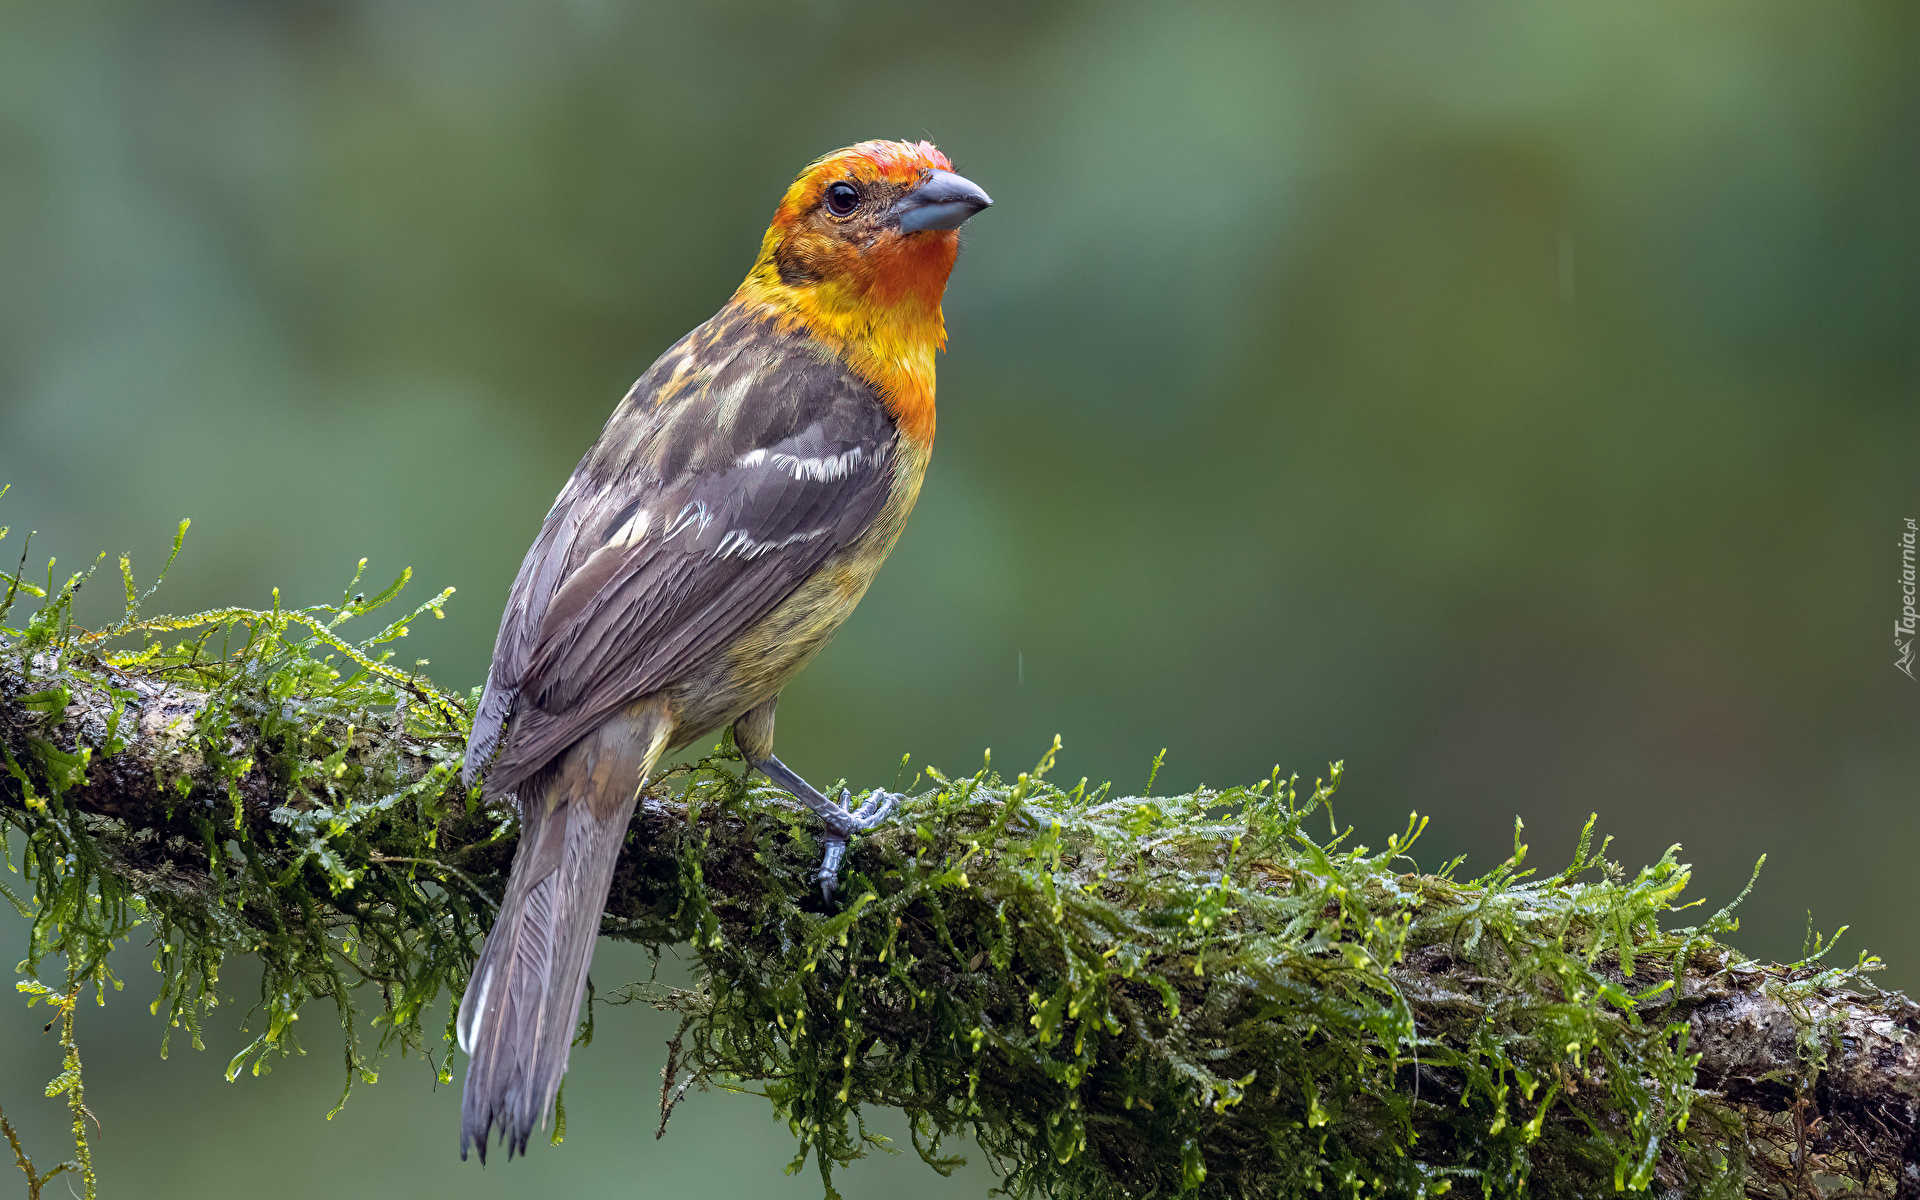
point(738, 503)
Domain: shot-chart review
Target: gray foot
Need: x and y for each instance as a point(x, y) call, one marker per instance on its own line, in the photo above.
point(841, 821)
point(879, 807)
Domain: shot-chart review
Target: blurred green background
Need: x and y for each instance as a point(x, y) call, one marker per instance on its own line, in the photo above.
point(1516, 401)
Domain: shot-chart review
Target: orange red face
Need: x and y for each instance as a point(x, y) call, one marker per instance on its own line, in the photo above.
point(878, 218)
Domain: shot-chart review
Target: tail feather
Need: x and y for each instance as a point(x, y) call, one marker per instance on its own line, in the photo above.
point(517, 1018)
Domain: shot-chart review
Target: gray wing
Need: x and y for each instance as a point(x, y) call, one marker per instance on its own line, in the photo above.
point(737, 466)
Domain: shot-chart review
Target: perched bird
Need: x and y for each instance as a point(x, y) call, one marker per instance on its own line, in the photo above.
point(733, 512)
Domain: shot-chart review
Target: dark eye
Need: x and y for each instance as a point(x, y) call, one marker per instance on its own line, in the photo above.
point(842, 199)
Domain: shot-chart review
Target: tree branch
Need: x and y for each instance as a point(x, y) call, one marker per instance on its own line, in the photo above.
point(1113, 996)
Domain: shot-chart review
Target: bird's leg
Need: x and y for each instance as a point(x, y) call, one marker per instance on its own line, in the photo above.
point(841, 821)
point(753, 734)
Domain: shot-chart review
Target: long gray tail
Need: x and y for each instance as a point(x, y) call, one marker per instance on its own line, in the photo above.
point(518, 1016)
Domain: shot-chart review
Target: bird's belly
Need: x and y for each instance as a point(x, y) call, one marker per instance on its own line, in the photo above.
point(761, 661)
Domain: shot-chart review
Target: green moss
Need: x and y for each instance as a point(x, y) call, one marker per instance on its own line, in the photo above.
point(350, 757)
point(1115, 996)
point(1136, 997)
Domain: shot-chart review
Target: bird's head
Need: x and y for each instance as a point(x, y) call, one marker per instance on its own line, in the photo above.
point(858, 256)
point(872, 228)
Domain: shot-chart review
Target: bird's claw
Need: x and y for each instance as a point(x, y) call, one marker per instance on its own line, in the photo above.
point(842, 823)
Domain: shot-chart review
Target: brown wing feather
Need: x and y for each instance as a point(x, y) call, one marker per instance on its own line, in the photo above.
point(736, 467)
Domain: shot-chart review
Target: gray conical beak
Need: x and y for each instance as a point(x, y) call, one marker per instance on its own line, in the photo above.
point(943, 201)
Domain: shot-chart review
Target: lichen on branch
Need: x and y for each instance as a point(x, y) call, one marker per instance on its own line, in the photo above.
point(1113, 996)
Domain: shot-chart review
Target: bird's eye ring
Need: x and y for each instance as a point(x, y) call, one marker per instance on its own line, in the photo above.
point(842, 199)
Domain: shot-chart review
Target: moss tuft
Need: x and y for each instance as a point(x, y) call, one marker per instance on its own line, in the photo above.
point(1139, 997)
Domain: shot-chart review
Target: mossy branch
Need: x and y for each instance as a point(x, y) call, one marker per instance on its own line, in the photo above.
point(1115, 996)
